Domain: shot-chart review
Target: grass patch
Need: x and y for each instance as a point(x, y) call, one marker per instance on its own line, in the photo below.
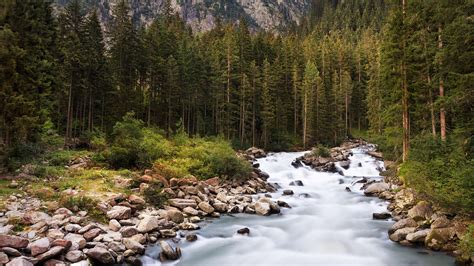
point(321, 151)
point(5, 189)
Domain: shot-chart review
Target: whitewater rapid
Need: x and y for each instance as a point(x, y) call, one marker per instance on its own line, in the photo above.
point(326, 225)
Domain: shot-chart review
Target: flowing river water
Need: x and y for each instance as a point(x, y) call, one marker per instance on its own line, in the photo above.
point(326, 225)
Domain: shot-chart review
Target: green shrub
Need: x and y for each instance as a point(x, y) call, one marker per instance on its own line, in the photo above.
point(127, 136)
point(441, 171)
point(98, 141)
point(321, 151)
point(466, 245)
point(153, 147)
point(82, 202)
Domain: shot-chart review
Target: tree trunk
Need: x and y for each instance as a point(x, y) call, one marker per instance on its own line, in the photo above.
point(442, 113)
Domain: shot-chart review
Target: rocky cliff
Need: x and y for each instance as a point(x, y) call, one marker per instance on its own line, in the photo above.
point(201, 15)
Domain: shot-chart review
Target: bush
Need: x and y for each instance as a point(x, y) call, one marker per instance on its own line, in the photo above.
point(203, 158)
point(153, 147)
point(85, 203)
point(127, 136)
point(321, 151)
point(466, 245)
point(441, 171)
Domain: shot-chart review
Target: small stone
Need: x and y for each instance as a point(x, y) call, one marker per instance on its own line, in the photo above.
point(137, 200)
point(288, 192)
point(3, 258)
point(167, 252)
point(167, 233)
point(376, 188)
point(206, 207)
point(134, 245)
point(191, 237)
point(402, 224)
point(418, 236)
point(75, 256)
point(40, 246)
point(243, 231)
point(101, 255)
point(51, 253)
point(55, 234)
point(128, 231)
point(91, 234)
point(296, 183)
point(20, 261)
point(62, 242)
point(119, 213)
point(283, 204)
point(400, 234)
point(13, 241)
point(72, 228)
point(11, 251)
point(188, 226)
point(78, 241)
point(381, 215)
point(191, 211)
point(114, 225)
point(175, 216)
point(86, 228)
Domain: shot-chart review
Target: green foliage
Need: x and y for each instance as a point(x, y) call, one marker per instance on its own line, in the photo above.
point(466, 245)
point(127, 137)
point(84, 203)
point(442, 171)
point(153, 147)
point(321, 151)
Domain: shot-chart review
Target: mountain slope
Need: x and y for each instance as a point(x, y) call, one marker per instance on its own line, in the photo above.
point(201, 15)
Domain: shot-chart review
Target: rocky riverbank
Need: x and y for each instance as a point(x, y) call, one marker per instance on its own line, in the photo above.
point(418, 222)
point(31, 235)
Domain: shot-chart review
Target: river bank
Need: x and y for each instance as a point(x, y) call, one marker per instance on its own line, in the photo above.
point(71, 236)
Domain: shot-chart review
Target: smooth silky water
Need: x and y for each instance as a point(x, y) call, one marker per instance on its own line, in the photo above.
point(330, 227)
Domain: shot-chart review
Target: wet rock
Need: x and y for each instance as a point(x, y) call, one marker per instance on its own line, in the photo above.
point(296, 183)
point(188, 226)
point(13, 241)
point(348, 189)
point(288, 192)
point(119, 213)
point(39, 246)
point(377, 155)
point(421, 211)
point(408, 222)
point(283, 204)
point(168, 253)
point(20, 261)
point(345, 164)
point(243, 231)
point(381, 215)
point(191, 237)
point(167, 233)
point(100, 255)
point(51, 253)
point(401, 234)
point(296, 163)
point(376, 188)
point(114, 225)
point(418, 236)
point(148, 224)
point(133, 245)
point(262, 208)
point(206, 207)
point(304, 195)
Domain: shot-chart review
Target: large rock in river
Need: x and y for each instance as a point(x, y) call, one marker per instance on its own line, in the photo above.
point(376, 188)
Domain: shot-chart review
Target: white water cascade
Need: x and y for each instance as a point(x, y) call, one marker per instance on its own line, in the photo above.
point(326, 225)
